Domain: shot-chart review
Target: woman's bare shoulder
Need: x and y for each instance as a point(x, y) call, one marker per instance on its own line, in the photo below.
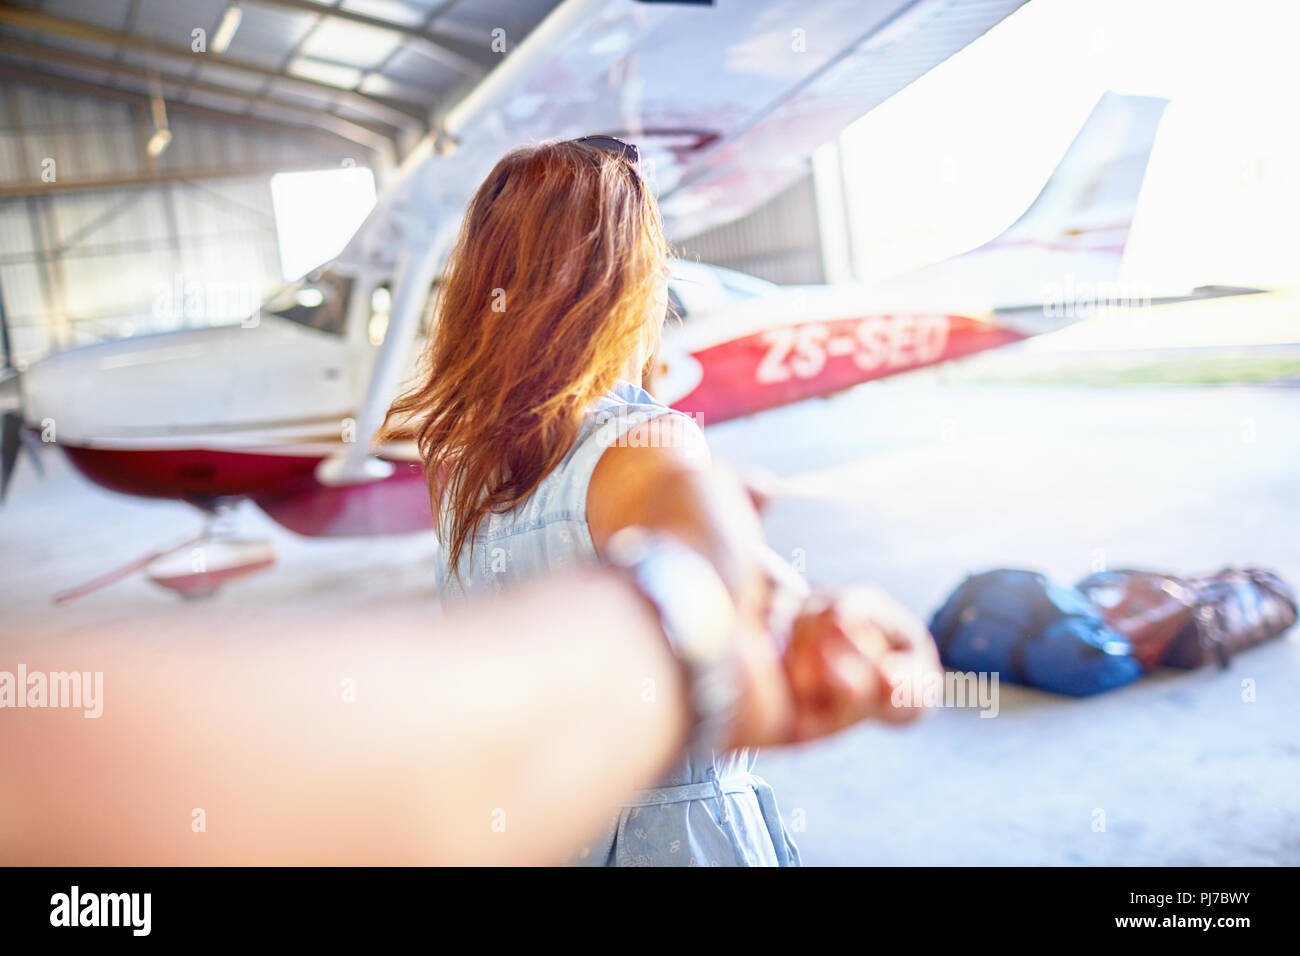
point(666, 455)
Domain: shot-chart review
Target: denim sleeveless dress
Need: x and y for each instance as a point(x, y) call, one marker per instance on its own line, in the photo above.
point(704, 812)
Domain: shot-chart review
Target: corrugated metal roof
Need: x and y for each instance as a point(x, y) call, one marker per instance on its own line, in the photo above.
point(386, 65)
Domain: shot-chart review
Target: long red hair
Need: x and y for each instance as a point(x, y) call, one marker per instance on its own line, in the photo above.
point(550, 289)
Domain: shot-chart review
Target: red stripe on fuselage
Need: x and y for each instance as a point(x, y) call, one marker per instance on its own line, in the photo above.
point(790, 363)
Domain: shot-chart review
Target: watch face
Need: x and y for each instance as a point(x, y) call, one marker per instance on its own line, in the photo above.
point(694, 606)
point(690, 590)
point(697, 616)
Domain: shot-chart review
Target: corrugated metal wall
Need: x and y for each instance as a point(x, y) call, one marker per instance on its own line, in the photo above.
point(77, 267)
point(779, 241)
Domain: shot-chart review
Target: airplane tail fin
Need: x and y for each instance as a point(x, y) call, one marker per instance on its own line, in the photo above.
point(1068, 245)
point(1088, 202)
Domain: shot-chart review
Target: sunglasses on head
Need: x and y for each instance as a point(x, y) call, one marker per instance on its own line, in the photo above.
point(615, 147)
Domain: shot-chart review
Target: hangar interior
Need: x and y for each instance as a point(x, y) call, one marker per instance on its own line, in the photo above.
point(148, 150)
point(100, 217)
point(101, 214)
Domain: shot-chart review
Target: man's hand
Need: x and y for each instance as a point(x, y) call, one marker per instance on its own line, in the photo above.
point(853, 656)
point(848, 654)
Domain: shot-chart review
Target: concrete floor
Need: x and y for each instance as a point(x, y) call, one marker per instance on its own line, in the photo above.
point(915, 486)
point(911, 485)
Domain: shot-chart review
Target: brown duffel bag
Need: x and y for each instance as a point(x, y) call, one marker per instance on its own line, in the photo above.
point(1186, 622)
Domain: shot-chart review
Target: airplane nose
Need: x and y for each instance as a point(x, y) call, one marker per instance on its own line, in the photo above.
point(15, 436)
point(11, 426)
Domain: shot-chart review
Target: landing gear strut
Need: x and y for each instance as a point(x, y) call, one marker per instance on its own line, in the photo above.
point(197, 567)
point(217, 557)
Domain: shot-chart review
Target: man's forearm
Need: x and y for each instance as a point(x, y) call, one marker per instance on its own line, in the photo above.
point(503, 735)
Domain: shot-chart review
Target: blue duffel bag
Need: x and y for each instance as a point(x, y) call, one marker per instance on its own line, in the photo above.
point(1032, 632)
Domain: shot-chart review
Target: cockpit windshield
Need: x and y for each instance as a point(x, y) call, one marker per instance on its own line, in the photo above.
point(319, 302)
point(697, 289)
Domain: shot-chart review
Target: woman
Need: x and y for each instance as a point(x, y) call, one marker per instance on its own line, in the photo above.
point(540, 443)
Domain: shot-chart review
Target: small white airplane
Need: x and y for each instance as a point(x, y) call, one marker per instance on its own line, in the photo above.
point(726, 105)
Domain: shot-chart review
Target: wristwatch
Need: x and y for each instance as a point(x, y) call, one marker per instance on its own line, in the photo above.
point(698, 617)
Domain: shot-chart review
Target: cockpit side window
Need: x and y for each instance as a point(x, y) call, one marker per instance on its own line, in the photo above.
point(676, 308)
point(741, 286)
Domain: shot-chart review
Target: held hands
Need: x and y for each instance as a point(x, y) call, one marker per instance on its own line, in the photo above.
point(856, 655)
point(853, 655)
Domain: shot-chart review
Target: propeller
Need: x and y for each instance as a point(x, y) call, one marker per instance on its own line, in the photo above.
point(11, 440)
point(13, 434)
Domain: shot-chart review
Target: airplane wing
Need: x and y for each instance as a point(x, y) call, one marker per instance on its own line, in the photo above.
point(726, 100)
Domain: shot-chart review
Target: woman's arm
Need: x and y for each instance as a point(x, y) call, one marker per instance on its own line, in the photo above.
point(847, 652)
point(670, 486)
